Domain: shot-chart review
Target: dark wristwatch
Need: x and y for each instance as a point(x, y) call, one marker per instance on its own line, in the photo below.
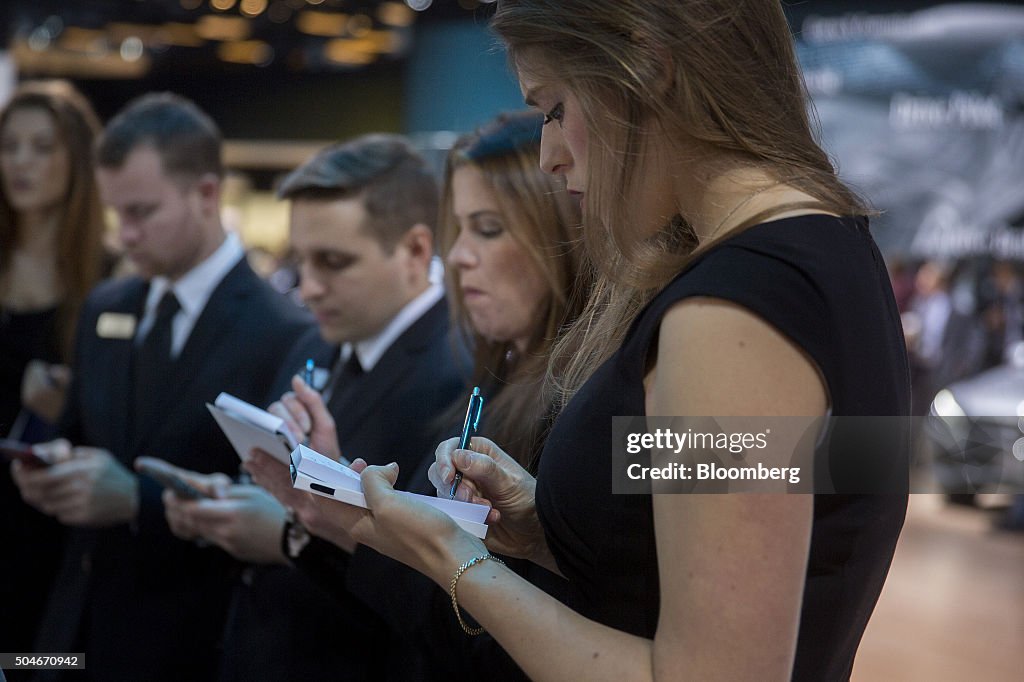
point(295, 536)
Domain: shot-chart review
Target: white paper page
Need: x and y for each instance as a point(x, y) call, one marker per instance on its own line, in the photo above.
point(245, 436)
point(255, 415)
point(477, 513)
point(314, 468)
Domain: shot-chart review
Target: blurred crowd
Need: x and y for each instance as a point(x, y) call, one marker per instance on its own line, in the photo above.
point(962, 319)
point(103, 341)
point(959, 318)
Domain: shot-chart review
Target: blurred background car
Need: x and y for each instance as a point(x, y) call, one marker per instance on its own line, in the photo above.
point(976, 430)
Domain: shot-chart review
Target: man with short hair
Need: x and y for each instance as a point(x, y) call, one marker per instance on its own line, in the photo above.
point(362, 220)
point(150, 352)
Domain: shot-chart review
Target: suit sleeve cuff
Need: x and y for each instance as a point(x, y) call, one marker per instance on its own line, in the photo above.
point(149, 518)
point(322, 562)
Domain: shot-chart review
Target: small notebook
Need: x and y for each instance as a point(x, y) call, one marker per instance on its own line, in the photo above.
point(249, 427)
point(321, 475)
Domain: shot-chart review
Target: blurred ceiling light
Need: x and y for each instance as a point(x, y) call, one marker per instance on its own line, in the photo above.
point(213, 27)
point(66, 63)
point(246, 52)
point(118, 31)
point(222, 5)
point(384, 41)
point(279, 12)
point(395, 14)
point(327, 24)
point(54, 25)
point(253, 8)
point(179, 34)
point(191, 4)
point(359, 25)
point(81, 39)
point(419, 5)
point(349, 52)
point(364, 45)
point(39, 39)
point(315, 2)
point(132, 49)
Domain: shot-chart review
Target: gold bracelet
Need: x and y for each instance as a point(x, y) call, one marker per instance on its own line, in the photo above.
point(455, 579)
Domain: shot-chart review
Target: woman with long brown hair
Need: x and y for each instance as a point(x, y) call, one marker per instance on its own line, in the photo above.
point(51, 233)
point(51, 254)
point(736, 278)
point(510, 235)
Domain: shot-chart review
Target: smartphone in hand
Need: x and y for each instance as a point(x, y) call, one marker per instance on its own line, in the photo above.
point(16, 450)
point(166, 476)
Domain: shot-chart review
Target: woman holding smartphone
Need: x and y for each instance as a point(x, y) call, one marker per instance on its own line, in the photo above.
point(736, 277)
point(51, 254)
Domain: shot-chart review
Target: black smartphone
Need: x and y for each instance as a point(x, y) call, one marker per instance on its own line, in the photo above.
point(166, 477)
point(16, 450)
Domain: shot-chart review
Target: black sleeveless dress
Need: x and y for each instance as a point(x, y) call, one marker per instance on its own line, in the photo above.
point(25, 583)
point(24, 336)
point(821, 281)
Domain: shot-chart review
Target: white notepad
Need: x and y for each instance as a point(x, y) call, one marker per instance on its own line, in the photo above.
point(249, 427)
point(322, 476)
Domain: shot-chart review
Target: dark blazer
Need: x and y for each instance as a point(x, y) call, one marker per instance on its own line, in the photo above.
point(284, 626)
point(140, 603)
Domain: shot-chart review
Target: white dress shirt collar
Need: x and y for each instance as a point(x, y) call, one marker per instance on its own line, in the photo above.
point(369, 351)
point(193, 290)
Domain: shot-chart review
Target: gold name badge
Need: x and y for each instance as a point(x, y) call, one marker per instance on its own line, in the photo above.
point(115, 326)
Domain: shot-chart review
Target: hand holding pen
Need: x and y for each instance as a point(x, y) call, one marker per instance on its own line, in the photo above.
point(469, 427)
point(494, 478)
point(305, 413)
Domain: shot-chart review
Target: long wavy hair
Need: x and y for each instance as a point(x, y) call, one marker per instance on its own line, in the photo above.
point(718, 78)
point(543, 220)
point(80, 252)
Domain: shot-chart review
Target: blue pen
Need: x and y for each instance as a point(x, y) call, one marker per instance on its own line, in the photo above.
point(307, 376)
point(476, 405)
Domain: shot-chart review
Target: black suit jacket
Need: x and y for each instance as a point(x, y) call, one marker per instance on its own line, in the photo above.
point(282, 624)
point(139, 602)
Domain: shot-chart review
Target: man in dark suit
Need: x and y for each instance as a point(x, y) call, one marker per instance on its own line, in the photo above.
point(362, 217)
point(151, 351)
